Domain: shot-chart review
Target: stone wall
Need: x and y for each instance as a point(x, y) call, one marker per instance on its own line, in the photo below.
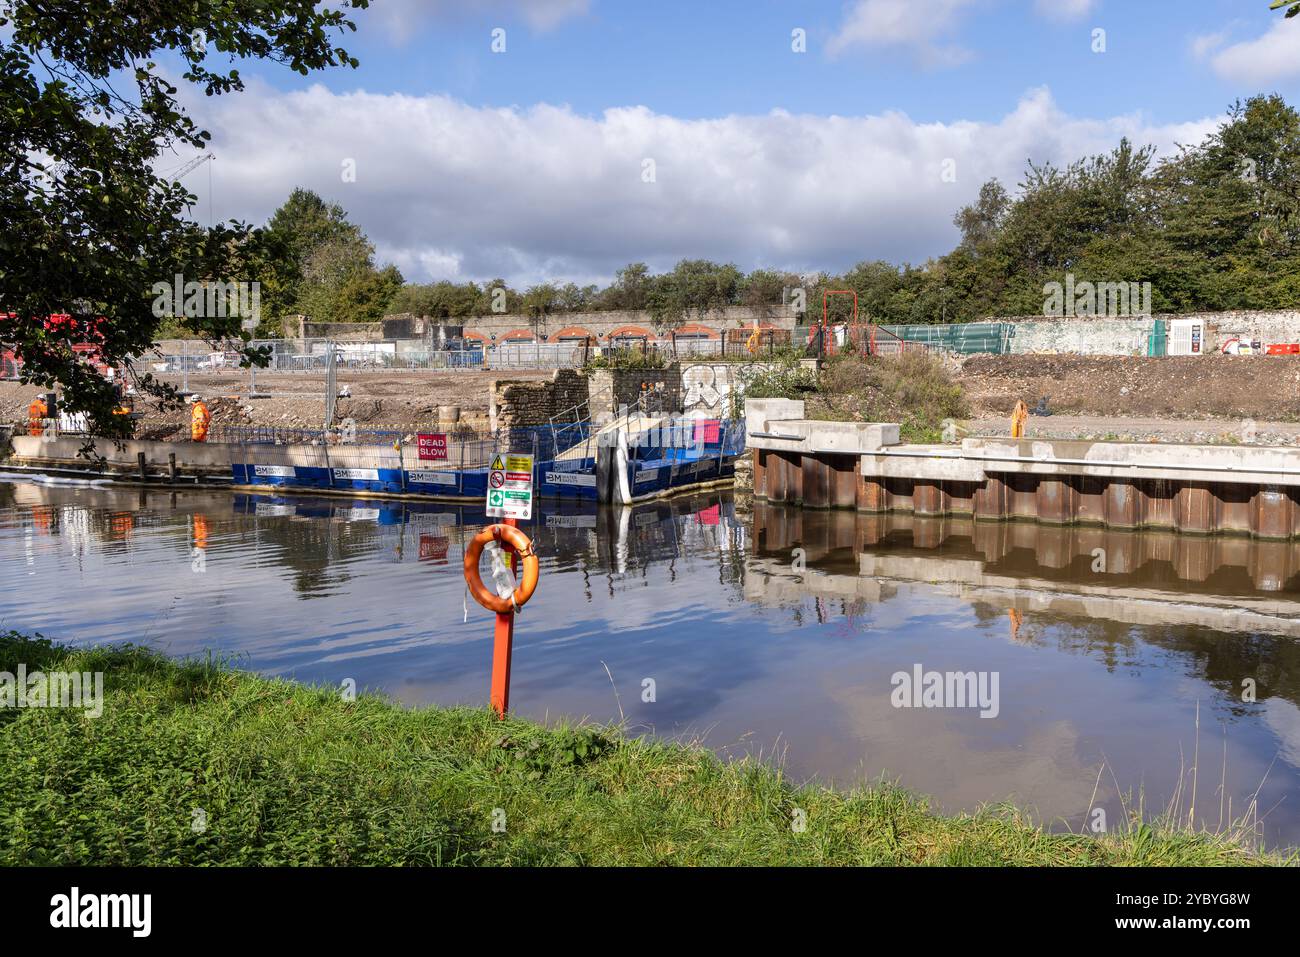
point(698, 388)
point(1085, 335)
point(613, 389)
point(1268, 326)
point(516, 404)
point(300, 327)
point(1080, 336)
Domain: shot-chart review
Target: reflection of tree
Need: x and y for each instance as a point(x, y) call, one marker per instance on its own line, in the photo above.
point(317, 551)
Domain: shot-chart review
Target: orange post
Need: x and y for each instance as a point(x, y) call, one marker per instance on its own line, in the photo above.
point(503, 643)
point(520, 548)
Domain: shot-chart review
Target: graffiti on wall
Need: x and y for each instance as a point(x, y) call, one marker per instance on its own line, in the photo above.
point(707, 387)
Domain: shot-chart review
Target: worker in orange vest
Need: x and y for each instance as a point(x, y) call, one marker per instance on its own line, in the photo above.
point(37, 413)
point(200, 418)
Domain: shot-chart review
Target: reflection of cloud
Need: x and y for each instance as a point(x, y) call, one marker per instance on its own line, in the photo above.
point(966, 759)
point(1283, 718)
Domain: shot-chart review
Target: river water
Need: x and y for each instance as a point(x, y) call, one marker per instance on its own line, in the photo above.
point(1119, 671)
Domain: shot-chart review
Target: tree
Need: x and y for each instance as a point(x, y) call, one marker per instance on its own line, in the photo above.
point(1292, 10)
point(89, 226)
point(539, 302)
point(301, 226)
point(980, 222)
point(630, 289)
point(341, 284)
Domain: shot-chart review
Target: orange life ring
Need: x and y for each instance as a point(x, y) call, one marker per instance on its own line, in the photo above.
point(522, 546)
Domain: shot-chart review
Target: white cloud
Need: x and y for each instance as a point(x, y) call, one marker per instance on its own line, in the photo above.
point(401, 17)
point(912, 24)
point(446, 189)
point(1275, 55)
point(1064, 9)
point(1204, 44)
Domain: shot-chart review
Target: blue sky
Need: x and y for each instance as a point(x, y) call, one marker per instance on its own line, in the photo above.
point(530, 163)
point(706, 59)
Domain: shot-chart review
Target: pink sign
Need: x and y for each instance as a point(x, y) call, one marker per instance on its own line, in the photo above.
point(706, 430)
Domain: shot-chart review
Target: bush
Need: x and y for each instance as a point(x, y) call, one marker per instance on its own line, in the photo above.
point(626, 358)
point(913, 389)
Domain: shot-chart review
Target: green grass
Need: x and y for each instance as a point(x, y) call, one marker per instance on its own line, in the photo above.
point(288, 774)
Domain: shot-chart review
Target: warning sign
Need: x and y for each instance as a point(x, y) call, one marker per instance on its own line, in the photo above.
point(432, 446)
point(510, 486)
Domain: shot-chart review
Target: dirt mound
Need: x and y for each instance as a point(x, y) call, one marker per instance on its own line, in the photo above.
point(1178, 387)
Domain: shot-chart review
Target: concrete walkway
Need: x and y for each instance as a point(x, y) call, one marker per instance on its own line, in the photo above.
point(1104, 428)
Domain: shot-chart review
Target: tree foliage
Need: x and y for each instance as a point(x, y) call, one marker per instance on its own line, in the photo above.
point(86, 113)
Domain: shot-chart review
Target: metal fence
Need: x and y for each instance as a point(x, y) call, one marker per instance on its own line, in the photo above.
point(186, 357)
point(537, 355)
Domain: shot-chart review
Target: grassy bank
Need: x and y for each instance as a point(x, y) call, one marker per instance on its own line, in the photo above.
point(196, 763)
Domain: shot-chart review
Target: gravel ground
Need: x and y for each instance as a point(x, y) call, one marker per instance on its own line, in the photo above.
point(1265, 388)
point(298, 400)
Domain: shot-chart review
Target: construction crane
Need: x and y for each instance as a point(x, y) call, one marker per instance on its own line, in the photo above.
point(190, 167)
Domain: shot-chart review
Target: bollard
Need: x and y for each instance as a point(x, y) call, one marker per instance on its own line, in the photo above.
point(518, 545)
point(171, 466)
point(139, 461)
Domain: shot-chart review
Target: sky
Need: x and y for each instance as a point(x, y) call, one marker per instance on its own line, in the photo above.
point(558, 140)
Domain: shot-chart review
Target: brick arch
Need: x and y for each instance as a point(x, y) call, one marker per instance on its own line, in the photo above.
point(572, 332)
point(630, 332)
point(746, 330)
point(481, 337)
point(695, 329)
point(517, 334)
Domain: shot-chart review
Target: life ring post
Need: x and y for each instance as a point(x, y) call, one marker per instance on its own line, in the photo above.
point(503, 644)
point(519, 547)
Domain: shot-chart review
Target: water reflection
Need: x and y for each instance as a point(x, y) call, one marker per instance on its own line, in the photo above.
point(1109, 645)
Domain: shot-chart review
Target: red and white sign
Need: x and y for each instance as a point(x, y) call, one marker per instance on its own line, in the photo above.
point(432, 446)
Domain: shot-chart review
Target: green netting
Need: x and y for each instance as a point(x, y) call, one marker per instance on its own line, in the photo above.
point(966, 337)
